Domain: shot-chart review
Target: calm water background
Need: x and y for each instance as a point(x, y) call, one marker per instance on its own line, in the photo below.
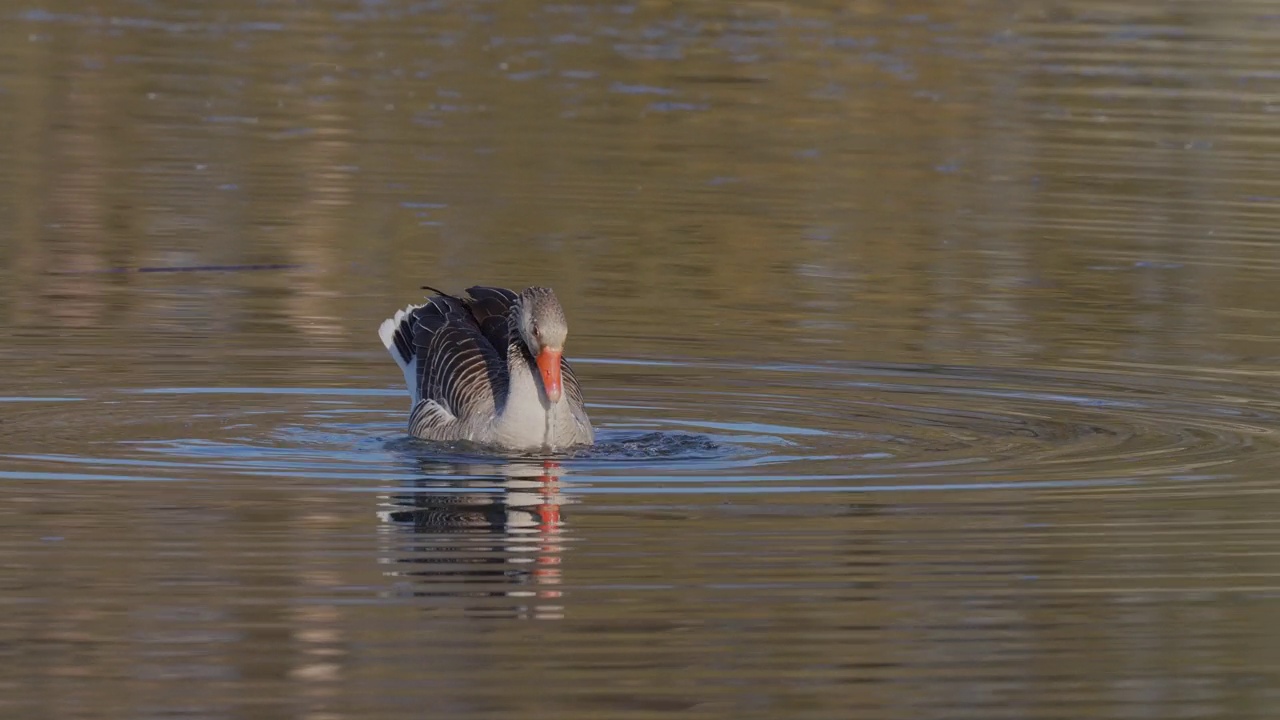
point(932, 346)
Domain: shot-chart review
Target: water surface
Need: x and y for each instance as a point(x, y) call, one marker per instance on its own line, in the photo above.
point(931, 351)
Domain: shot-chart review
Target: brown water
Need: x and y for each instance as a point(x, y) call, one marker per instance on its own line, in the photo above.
point(932, 349)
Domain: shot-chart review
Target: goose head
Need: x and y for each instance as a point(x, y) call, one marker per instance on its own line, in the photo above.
point(543, 329)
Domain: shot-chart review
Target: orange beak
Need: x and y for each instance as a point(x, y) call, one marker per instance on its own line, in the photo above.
point(549, 367)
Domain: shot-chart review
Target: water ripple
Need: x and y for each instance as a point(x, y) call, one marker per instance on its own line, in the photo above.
point(753, 429)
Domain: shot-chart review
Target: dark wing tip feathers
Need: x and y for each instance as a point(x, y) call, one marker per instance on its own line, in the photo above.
point(438, 292)
point(402, 337)
point(483, 292)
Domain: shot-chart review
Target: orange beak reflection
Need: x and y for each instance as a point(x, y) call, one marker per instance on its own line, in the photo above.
point(549, 368)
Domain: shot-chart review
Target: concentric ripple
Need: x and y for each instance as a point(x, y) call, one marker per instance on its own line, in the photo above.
point(901, 427)
point(733, 428)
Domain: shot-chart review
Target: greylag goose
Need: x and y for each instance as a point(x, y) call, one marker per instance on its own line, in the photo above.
point(489, 369)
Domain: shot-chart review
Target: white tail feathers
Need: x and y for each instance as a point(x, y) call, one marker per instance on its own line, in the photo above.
point(397, 335)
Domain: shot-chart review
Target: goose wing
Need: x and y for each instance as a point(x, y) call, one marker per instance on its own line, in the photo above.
point(491, 309)
point(460, 375)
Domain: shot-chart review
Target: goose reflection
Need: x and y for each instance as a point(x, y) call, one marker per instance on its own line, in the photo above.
point(488, 534)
